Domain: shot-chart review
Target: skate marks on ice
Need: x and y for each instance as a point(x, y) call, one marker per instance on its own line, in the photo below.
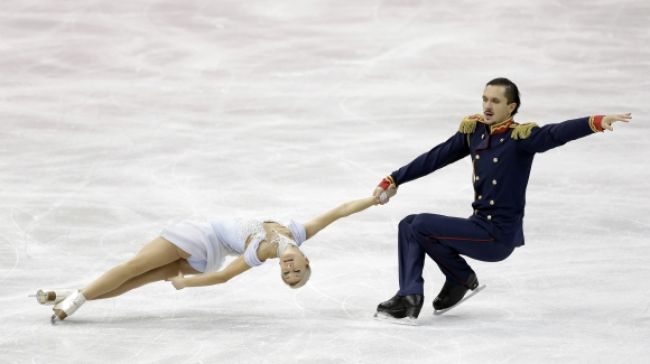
point(87, 135)
point(9, 258)
point(406, 321)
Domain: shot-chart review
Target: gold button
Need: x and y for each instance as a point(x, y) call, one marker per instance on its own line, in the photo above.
point(482, 136)
point(495, 159)
point(502, 140)
point(491, 202)
point(489, 217)
point(476, 178)
point(477, 156)
point(480, 197)
point(494, 182)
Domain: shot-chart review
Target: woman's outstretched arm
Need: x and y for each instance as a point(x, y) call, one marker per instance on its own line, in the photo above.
point(352, 207)
point(233, 269)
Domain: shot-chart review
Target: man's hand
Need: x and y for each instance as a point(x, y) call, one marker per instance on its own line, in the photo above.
point(179, 281)
point(385, 190)
point(609, 120)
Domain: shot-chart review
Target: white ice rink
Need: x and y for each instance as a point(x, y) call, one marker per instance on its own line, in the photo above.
point(120, 117)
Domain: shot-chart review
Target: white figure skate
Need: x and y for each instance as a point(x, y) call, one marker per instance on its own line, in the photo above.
point(68, 306)
point(51, 297)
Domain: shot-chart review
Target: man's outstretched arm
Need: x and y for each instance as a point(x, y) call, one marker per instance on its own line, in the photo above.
point(554, 135)
point(441, 155)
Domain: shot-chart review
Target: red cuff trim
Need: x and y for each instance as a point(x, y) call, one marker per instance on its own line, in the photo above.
point(386, 182)
point(596, 123)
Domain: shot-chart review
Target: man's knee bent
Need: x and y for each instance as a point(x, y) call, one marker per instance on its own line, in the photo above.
point(406, 222)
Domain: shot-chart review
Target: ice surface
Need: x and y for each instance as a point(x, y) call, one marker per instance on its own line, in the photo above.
point(117, 118)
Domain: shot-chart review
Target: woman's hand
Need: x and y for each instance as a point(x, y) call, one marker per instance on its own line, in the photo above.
point(384, 191)
point(179, 282)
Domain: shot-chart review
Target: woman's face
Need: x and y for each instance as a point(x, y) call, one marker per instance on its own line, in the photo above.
point(293, 265)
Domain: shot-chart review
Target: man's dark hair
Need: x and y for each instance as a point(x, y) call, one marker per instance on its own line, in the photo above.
point(512, 92)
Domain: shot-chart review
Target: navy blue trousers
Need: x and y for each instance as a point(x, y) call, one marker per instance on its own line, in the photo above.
point(444, 239)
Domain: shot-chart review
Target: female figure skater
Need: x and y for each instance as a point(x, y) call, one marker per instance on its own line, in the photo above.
point(199, 249)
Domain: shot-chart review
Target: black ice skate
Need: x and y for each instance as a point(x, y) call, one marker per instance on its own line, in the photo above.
point(453, 293)
point(401, 307)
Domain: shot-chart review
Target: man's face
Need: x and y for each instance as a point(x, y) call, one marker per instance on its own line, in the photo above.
point(495, 105)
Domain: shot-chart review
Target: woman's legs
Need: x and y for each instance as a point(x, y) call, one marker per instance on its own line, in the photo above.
point(157, 253)
point(155, 275)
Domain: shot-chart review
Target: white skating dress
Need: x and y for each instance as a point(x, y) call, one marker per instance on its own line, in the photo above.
point(209, 241)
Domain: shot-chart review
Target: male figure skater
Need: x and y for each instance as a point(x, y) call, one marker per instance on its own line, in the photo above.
point(502, 153)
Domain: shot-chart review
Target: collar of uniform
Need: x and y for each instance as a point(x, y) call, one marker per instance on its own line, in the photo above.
point(501, 127)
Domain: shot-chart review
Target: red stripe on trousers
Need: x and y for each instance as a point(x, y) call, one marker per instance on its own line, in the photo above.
point(459, 238)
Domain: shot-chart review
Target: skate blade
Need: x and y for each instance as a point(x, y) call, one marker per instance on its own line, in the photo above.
point(407, 321)
point(474, 292)
point(40, 296)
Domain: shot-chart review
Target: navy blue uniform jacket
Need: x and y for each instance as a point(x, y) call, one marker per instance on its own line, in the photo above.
point(502, 156)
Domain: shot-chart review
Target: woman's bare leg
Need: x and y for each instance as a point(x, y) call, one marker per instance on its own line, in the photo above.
point(158, 274)
point(157, 253)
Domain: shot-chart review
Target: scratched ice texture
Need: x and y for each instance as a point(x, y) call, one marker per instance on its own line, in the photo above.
point(118, 118)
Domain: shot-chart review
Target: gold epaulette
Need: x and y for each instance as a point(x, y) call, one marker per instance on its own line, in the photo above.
point(522, 131)
point(468, 125)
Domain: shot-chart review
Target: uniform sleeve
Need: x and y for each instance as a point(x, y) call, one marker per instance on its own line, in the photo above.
point(441, 155)
point(552, 136)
